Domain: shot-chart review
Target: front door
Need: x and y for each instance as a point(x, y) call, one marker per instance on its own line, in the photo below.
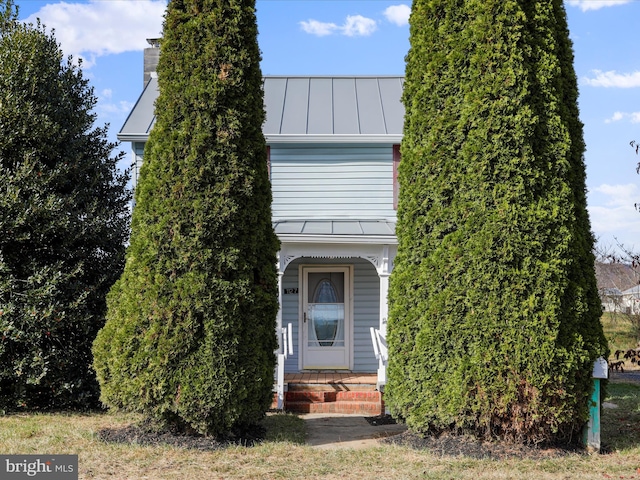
point(326, 317)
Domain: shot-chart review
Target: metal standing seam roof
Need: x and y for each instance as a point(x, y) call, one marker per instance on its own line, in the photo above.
point(308, 108)
point(333, 106)
point(339, 229)
point(138, 124)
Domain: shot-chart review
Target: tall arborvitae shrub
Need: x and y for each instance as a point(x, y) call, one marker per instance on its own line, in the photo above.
point(494, 313)
point(190, 333)
point(64, 211)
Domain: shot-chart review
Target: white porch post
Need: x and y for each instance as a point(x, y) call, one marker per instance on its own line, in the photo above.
point(383, 274)
point(279, 316)
point(281, 356)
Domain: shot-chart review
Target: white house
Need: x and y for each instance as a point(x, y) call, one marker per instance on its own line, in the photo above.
point(612, 300)
point(333, 147)
point(631, 300)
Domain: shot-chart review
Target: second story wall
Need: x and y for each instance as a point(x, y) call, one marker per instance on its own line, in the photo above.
point(332, 181)
point(138, 154)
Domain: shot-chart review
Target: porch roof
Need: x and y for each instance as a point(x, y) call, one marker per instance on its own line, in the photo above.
point(336, 231)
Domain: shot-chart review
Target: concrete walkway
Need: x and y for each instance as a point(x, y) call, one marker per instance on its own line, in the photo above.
point(332, 431)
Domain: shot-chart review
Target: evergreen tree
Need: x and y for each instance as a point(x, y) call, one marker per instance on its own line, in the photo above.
point(64, 212)
point(494, 313)
point(190, 334)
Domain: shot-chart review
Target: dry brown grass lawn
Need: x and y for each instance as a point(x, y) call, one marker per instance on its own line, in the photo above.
point(287, 459)
point(619, 332)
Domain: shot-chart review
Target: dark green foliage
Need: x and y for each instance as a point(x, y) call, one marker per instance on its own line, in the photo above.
point(64, 212)
point(494, 317)
point(190, 335)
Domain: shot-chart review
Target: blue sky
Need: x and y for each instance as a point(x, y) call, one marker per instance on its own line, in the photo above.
point(334, 37)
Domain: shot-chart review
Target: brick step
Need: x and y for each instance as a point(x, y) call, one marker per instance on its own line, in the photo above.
point(338, 387)
point(332, 396)
point(310, 396)
point(348, 402)
point(349, 407)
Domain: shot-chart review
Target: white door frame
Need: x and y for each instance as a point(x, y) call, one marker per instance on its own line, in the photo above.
point(345, 358)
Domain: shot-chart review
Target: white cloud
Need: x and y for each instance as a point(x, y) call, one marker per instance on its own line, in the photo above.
point(619, 195)
point(319, 29)
point(617, 116)
point(90, 30)
point(613, 79)
point(354, 26)
point(606, 219)
point(116, 110)
point(359, 26)
point(398, 14)
point(633, 117)
point(110, 109)
point(595, 4)
point(613, 225)
point(615, 216)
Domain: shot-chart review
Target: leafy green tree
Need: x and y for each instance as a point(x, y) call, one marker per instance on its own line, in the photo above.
point(494, 311)
point(190, 334)
point(64, 212)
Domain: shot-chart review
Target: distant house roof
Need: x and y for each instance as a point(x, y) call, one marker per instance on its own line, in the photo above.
point(632, 291)
point(616, 275)
point(309, 109)
point(611, 292)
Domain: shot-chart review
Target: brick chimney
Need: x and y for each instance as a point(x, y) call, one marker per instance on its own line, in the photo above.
point(151, 56)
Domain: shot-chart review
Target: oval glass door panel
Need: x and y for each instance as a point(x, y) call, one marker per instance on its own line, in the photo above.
point(326, 309)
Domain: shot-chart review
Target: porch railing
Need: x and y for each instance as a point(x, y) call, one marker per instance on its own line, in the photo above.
point(287, 349)
point(382, 354)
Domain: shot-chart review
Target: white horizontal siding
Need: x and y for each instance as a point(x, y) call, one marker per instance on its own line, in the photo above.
point(332, 181)
point(138, 153)
point(290, 314)
point(366, 312)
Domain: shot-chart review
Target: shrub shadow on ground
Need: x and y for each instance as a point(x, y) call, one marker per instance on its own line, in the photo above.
point(274, 428)
point(620, 431)
point(460, 445)
point(142, 434)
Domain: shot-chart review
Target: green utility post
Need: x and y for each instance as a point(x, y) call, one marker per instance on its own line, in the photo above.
point(592, 434)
